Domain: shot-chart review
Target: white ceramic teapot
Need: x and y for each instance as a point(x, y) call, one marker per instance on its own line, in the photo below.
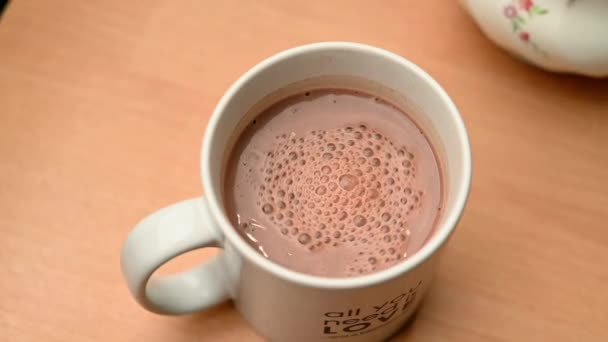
point(557, 35)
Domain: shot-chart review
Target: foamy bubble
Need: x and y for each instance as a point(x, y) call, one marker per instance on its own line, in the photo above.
point(323, 190)
point(359, 220)
point(304, 238)
point(267, 208)
point(348, 182)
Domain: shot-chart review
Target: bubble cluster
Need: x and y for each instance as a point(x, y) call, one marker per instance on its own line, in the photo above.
point(349, 187)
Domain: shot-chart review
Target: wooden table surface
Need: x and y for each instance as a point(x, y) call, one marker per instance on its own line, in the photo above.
point(103, 105)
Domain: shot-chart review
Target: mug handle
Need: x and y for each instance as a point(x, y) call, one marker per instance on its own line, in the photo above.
point(162, 236)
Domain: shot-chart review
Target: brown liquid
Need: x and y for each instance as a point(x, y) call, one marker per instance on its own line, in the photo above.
point(333, 183)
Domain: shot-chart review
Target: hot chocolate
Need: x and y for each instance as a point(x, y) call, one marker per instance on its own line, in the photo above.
point(333, 183)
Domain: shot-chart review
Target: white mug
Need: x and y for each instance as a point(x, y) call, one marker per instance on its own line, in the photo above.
point(281, 304)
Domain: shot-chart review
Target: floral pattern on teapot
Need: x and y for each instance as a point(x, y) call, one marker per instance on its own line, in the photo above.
point(520, 12)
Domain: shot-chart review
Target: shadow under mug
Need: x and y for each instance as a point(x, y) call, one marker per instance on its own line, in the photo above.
point(281, 304)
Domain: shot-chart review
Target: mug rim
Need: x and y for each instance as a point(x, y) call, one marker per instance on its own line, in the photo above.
point(436, 241)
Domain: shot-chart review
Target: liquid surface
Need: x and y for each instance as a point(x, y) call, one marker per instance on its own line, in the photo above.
point(333, 183)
